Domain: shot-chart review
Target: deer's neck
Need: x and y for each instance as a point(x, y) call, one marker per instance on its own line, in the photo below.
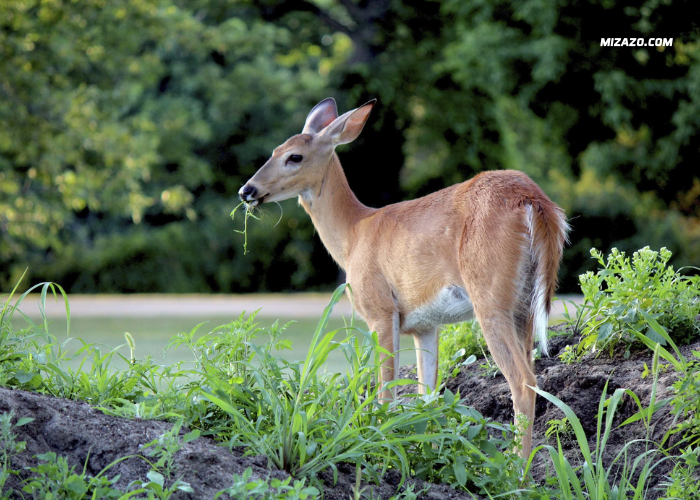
point(334, 210)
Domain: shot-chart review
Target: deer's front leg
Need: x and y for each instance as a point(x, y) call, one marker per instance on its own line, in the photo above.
point(387, 328)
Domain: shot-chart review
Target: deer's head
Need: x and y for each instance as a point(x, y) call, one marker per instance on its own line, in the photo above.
point(301, 162)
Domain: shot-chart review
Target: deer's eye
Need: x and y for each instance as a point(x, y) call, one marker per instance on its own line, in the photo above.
point(295, 158)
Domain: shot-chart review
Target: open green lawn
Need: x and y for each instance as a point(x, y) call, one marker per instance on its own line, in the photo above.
point(152, 335)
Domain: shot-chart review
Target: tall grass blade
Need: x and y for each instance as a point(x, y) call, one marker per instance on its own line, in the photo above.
point(660, 330)
point(573, 420)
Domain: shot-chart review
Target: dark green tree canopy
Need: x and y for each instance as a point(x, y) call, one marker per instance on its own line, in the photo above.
point(129, 126)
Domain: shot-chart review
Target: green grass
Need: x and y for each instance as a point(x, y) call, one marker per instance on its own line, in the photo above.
point(239, 386)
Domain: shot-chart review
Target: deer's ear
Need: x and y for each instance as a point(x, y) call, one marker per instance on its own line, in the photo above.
point(320, 116)
point(347, 127)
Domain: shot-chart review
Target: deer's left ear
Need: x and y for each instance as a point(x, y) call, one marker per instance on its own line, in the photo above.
point(320, 116)
point(347, 128)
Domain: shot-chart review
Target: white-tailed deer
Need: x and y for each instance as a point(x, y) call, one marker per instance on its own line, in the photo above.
point(488, 247)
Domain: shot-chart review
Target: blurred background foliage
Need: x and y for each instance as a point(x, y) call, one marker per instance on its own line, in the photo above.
point(129, 125)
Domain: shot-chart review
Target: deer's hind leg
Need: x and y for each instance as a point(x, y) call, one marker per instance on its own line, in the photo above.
point(495, 270)
point(512, 359)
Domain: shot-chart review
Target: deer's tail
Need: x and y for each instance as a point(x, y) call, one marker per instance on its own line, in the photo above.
point(548, 232)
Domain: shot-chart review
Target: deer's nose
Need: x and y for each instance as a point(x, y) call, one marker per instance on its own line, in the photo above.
point(248, 193)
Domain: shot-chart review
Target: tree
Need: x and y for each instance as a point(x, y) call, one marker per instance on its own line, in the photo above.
point(131, 124)
point(134, 121)
point(610, 133)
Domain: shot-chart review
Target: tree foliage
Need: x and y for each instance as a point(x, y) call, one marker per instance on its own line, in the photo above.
point(131, 124)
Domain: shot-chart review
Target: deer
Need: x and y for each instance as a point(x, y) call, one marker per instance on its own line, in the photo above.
point(489, 248)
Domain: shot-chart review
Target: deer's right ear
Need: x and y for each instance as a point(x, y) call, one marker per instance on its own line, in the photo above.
point(320, 116)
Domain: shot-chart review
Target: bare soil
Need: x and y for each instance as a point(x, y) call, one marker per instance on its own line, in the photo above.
point(86, 436)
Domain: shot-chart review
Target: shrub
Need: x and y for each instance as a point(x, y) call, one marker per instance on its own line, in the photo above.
point(617, 297)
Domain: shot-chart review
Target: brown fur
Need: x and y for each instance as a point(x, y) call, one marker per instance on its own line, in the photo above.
point(397, 258)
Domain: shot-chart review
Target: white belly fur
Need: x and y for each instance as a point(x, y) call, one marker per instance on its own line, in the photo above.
point(450, 305)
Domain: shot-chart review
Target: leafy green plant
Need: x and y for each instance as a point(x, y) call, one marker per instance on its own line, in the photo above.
point(225, 352)
point(686, 402)
point(9, 446)
point(460, 344)
point(683, 482)
point(245, 488)
point(576, 318)
point(155, 487)
point(54, 479)
point(305, 422)
point(569, 354)
point(164, 447)
point(409, 493)
point(460, 447)
point(32, 358)
point(558, 428)
point(623, 291)
point(21, 351)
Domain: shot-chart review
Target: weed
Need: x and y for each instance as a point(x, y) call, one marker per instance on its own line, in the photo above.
point(568, 355)
point(9, 446)
point(686, 403)
point(489, 367)
point(243, 488)
point(307, 421)
point(54, 479)
point(302, 421)
point(456, 447)
point(164, 447)
point(558, 428)
point(155, 487)
point(21, 351)
point(409, 493)
point(593, 480)
point(619, 296)
point(578, 318)
point(683, 482)
point(460, 344)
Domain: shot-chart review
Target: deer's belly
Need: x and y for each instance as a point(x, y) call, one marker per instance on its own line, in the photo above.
point(450, 305)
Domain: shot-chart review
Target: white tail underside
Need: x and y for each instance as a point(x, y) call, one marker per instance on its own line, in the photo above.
point(538, 306)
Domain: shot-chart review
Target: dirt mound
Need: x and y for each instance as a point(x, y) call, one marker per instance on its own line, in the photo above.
point(580, 386)
point(82, 434)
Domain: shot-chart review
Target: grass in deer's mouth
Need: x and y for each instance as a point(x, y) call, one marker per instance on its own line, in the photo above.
point(248, 210)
